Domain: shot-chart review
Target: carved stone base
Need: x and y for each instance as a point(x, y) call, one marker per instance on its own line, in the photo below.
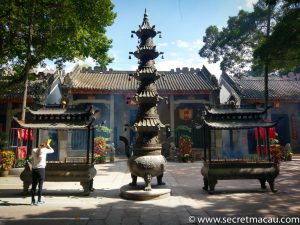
point(138, 193)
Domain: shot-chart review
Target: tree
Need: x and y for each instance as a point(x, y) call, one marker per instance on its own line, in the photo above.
point(234, 45)
point(60, 30)
point(282, 48)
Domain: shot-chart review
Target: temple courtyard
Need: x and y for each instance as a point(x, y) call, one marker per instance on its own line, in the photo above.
point(233, 199)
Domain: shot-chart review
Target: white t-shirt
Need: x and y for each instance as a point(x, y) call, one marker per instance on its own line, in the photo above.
point(40, 162)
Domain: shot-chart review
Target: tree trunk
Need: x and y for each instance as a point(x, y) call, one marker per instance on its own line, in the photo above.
point(28, 59)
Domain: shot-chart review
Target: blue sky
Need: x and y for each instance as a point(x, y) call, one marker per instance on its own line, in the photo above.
point(182, 22)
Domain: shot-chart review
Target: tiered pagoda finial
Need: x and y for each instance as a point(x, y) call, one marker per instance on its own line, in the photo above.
point(146, 161)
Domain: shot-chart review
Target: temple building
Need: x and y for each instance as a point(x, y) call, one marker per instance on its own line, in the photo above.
point(284, 99)
point(186, 91)
point(40, 90)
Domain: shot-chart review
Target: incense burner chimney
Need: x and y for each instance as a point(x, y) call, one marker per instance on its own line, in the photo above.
point(146, 161)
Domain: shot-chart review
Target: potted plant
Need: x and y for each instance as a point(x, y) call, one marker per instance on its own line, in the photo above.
point(101, 145)
point(6, 161)
point(185, 147)
point(289, 156)
point(277, 151)
point(184, 142)
point(18, 167)
point(101, 150)
point(287, 152)
point(185, 157)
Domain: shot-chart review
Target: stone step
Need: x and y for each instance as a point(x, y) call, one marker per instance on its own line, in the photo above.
point(296, 157)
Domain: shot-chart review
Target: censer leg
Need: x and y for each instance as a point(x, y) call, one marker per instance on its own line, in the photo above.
point(148, 179)
point(159, 180)
point(134, 179)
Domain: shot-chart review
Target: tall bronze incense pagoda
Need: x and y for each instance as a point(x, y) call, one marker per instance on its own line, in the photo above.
point(146, 161)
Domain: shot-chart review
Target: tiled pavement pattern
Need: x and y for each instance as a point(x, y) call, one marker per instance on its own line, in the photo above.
point(66, 205)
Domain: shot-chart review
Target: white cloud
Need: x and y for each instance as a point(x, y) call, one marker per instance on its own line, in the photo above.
point(189, 45)
point(250, 3)
point(133, 67)
point(197, 44)
point(182, 44)
point(69, 66)
point(164, 44)
point(191, 62)
point(213, 68)
point(178, 54)
point(186, 55)
point(172, 54)
point(240, 7)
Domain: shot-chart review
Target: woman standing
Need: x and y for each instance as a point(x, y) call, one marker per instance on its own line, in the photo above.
point(39, 156)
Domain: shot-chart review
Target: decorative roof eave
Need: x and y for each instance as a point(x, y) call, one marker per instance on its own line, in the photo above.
point(238, 111)
point(149, 52)
point(237, 125)
point(148, 122)
point(54, 126)
point(57, 112)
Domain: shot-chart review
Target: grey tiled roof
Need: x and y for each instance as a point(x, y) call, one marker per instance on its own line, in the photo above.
point(253, 87)
point(119, 81)
point(278, 88)
point(55, 126)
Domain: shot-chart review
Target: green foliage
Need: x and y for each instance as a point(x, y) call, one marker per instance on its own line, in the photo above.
point(60, 31)
point(234, 45)
point(282, 48)
point(101, 142)
point(104, 129)
point(183, 128)
point(3, 140)
point(7, 158)
point(19, 163)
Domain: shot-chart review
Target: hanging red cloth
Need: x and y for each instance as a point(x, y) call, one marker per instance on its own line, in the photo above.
point(263, 150)
point(22, 152)
point(20, 134)
point(272, 133)
point(261, 131)
point(26, 134)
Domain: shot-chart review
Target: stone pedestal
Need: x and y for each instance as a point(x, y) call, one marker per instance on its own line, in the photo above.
point(139, 194)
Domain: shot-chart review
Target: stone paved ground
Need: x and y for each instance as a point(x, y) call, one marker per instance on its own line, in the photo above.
point(66, 205)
